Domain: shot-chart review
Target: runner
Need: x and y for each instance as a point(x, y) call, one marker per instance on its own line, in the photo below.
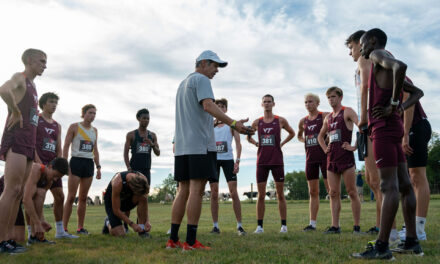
point(195, 149)
point(18, 140)
point(340, 158)
point(40, 180)
point(316, 159)
point(225, 159)
point(125, 191)
point(387, 78)
point(141, 141)
point(84, 140)
point(48, 147)
point(362, 74)
point(270, 158)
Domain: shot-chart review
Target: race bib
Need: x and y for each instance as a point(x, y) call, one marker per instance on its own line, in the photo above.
point(335, 135)
point(33, 116)
point(85, 146)
point(49, 145)
point(267, 140)
point(142, 147)
point(222, 146)
point(311, 140)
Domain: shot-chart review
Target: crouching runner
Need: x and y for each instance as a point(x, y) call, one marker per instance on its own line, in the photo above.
point(124, 192)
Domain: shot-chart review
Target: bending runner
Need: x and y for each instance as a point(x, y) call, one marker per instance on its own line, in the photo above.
point(340, 158)
point(40, 180)
point(125, 191)
point(224, 135)
point(270, 158)
point(84, 140)
point(387, 79)
point(18, 140)
point(316, 159)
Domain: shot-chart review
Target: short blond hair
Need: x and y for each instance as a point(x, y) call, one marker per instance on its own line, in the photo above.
point(314, 96)
point(30, 53)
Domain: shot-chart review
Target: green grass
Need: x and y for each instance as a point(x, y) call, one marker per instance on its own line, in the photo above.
point(228, 247)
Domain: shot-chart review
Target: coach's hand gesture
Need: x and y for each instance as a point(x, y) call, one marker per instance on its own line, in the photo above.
point(242, 129)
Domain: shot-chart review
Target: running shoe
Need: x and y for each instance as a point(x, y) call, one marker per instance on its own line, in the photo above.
point(105, 229)
point(16, 245)
point(259, 230)
point(66, 235)
point(373, 253)
point(283, 229)
point(197, 245)
point(241, 231)
point(171, 244)
point(358, 232)
point(7, 248)
point(82, 231)
point(215, 230)
point(415, 249)
point(421, 236)
point(373, 231)
point(144, 234)
point(35, 240)
point(332, 230)
point(309, 228)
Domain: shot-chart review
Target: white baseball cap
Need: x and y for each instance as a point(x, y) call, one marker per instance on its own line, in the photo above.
point(210, 55)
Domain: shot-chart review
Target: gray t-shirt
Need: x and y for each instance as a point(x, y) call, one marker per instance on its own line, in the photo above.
point(194, 127)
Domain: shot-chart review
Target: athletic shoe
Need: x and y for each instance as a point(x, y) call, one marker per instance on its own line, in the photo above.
point(144, 234)
point(215, 230)
point(7, 248)
point(373, 253)
point(82, 231)
point(169, 231)
point(105, 229)
point(241, 231)
point(415, 249)
point(283, 229)
point(171, 244)
point(309, 228)
point(197, 245)
point(332, 230)
point(358, 233)
point(126, 228)
point(35, 240)
point(65, 235)
point(259, 230)
point(16, 245)
point(421, 236)
point(373, 231)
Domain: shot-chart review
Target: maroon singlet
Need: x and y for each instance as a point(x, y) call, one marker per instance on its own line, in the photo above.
point(269, 138)
point(47, 136)
point(22, 140)
point(312, 128)
point(419, 113)
point(338, 134)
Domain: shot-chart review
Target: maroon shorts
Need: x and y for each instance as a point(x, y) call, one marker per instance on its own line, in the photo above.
point(19, 221)
point(339, 167)
point(388, 152)
point(263, 173)
point(312, 170)
point(23, 150)
point(57, 183)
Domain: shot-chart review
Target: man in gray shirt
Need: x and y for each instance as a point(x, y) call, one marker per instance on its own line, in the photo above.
point(195, 149)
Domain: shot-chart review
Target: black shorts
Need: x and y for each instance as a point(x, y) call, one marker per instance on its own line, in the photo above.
point(19, 220)
point(146, 172)
point(312, 170)
point(419, 136)
point(263, 173)
point(82, 167)
point(362, 143)
point(228, 170)
point(112, 218)
point(200, 166)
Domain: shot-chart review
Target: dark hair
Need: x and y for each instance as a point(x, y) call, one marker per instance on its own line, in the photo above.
point(139, 184)
point(355, 37)
point(222, 101)
point(61, 165)
point(141, 112)
point(334, 89)
point(86, 108)
point(379, 34)
point(268, 95)
point(45, 97)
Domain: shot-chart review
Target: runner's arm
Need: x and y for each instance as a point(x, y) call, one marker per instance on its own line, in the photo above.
point(414, 95)
point(59, 148)
point(156, 149)
point(128, 140)
point(8, 88)
point(68, 140)
point(237, 144)
point(289, 130)
point(96, 157)
point(364, 70)
point(321, 135)
point(301, 130)
point(249, 137)
point(30, 190)
point(116, 202)
point(408, 117)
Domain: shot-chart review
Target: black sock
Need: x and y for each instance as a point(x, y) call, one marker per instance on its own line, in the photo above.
point(357, 228)
point(191, 233)
point(260, 223)
point(283, 222)
point(410, 241)
point(174, 232)
point(381, 246)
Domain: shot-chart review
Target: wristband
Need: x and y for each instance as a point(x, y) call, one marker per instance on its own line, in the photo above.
point(233, 124)
point(394, 103)
point(131, 222)
point(98, 167)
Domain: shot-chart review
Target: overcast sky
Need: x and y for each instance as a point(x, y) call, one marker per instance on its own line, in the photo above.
point(126, 55)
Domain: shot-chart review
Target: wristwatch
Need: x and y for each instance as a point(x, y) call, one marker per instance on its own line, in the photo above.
point(394, 103)
point(98, 167)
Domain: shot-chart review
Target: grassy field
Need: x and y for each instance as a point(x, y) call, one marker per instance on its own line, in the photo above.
point(228, 247)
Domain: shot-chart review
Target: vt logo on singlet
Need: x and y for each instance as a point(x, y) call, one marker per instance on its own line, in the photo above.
point(49, 145)
point(267, 130)
point(333, 125)
point(49, 130)
point(312, 127)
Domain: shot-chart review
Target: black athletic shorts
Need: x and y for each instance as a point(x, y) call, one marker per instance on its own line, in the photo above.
point(112, 218)
point(228, 170)
point(82, 167)
point(19, 221)
point(201, 166)
point(146, 172)
point(362, 143)
point(419, 136)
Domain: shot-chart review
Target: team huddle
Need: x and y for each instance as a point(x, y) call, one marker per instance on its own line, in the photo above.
point(392, 139)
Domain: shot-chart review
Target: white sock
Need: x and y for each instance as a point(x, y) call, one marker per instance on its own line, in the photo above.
point(59, 227)
point(239, 225)
point(313, 223)
point(29, 230)
point(393, 234)
point(216, 224)
point(420, 224)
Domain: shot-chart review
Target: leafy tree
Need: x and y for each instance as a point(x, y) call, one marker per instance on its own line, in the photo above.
point(433, 166)
point(168, 186)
